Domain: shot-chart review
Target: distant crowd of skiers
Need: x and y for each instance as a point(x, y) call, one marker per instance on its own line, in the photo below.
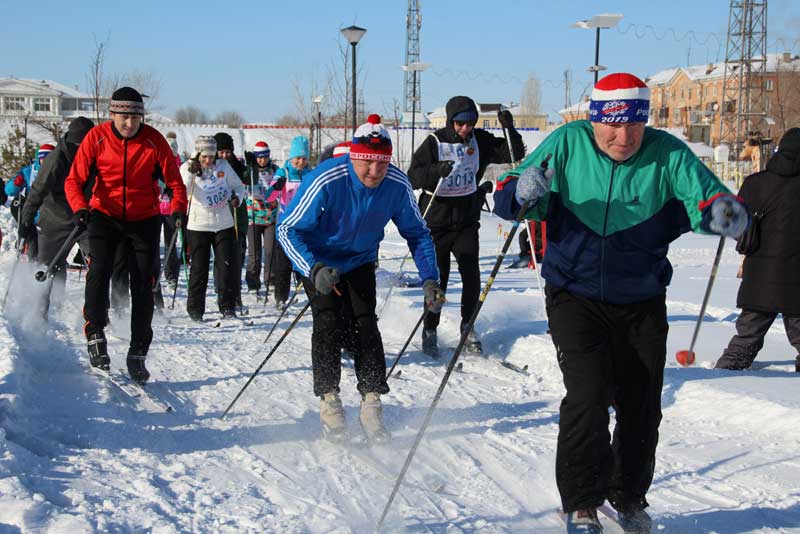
point(613, 194)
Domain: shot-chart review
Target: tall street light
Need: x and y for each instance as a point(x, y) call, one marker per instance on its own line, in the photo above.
point(604, 21)
point(414, 68)
point(353, 35)
point(317, 101)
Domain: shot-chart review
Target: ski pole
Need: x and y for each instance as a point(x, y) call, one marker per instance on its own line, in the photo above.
point(686, 357)
point(414, 331)
point(41, 276)
point(271, 263)
point(283, 312)
point(399, 274)
point(278, 344)
point(171, 246)
point(183, 244)
point(20, 246)
point(532, 243)
point(454, 359)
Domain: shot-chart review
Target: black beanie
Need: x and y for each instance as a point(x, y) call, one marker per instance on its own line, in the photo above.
point(224, 141)
point(126, 100)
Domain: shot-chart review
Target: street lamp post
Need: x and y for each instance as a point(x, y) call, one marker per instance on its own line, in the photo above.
point(317, 100)
point(414, 68)
point(604, 21)
point(353, 35)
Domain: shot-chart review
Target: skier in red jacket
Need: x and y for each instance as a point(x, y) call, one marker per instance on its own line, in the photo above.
point(123, 156)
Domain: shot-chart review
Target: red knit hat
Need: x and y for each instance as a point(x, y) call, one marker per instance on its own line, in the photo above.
point(372, 141)
point(261, 149)
point(44, 150)
point(620, 98)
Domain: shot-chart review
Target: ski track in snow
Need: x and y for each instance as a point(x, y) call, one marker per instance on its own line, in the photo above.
point(77, 455)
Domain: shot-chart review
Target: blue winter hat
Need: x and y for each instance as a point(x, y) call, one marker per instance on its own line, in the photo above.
point(299, 148)
point(466, 116)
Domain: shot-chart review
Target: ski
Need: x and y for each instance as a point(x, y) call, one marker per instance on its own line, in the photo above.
point(132, 389)
point(506, 365)
point(157, 403)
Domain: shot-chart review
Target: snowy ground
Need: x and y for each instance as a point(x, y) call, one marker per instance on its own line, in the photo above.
point(77, 456)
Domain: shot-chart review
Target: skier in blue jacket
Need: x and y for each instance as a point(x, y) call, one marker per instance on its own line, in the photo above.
point(18, 189)
point(331, 231)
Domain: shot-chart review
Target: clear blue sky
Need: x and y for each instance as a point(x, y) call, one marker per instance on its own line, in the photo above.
point(250, 57)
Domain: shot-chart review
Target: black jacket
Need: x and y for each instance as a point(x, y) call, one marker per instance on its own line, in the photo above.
point(453, 213)
point(47, 191)
point(771, 278)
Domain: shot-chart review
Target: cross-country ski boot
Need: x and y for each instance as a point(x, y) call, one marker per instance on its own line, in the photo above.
point(372, 419)
point(137, 369)
point(635, 521)
point(98, 352)
point(331, 413)
point(472, 345)
point(430, 344)
point(584, 522)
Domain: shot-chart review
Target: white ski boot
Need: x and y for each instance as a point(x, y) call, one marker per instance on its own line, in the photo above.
point(331, 413)
point(371, 418)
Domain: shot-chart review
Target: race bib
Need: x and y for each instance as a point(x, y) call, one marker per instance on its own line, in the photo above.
point(214, 189)
point(261, 187)
point(462, 180)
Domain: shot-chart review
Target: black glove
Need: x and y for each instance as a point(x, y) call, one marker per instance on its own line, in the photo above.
point(486, 187)
point(324, 278)
point(178, 219)
point(279, 183)
point(3, 195)
point(506, 119)
point(194, 164)
point(25, 230)
point(235, 201)
point(434, 296)
point(442, 168)
point(81, 218)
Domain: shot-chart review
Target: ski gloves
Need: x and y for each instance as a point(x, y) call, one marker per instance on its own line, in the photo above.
point(194, 164)
point(324, 278)
point(442, 169)
point(25, 229)
point(278, 184)
point(434, 296)
point(235, 201)
point(81, 218)
point(505, 118)
point(728, 217)
point(178, 219)
point(533, 184)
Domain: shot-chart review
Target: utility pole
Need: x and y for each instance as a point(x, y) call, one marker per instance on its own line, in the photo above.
point(743, 104)
point(412, 82)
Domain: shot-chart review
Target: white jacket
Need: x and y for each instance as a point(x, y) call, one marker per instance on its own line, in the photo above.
point(209, 209)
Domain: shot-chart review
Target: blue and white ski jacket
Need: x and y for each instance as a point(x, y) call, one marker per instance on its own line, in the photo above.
point(23, 179)
point(338, 221)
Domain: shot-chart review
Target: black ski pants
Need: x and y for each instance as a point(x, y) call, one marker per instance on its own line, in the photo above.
point(172, 263)
point(50, 241)
point(281, 274)
point(225, 264)
point(463, 244)
point(751, 327)
point(105, 236)
point(347, 321)
point(610, 355)
point(260, 241)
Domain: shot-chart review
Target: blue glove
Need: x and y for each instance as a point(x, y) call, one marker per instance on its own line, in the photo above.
point(533, 184)
point(434, 296)
point(728, 217)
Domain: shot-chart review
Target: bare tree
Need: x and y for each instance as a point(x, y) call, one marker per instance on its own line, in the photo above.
point(146, 81)
point(786, 103)
point(531, 99)
point(95, 75)
point(232, 119)
point(190, 115)
point(290, 119)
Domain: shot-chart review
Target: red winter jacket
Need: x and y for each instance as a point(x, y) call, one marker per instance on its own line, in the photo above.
point(126, 184)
